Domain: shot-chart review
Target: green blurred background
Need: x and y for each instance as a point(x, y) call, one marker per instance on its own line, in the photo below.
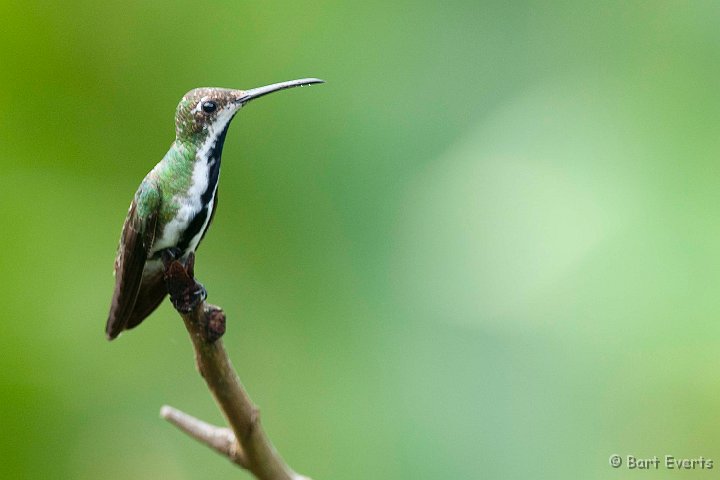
point(486, 248)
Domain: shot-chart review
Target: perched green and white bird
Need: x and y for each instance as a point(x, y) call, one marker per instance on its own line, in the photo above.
point(176, 201)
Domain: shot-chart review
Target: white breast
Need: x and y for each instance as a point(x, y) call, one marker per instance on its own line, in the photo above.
point(190, 205)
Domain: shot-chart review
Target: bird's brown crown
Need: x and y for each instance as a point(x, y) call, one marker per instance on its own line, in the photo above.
point(201, 108)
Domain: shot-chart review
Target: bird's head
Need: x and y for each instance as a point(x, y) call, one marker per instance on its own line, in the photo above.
point(204, 112)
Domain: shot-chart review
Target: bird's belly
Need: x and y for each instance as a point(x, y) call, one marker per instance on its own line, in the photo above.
point(174, 229)
point(185, 230)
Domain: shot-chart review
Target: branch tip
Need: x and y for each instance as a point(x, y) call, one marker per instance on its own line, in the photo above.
point(222, 440)
point(166, 411)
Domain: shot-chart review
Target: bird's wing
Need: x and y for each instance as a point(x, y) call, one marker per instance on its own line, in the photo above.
point(138, 235)
point(152, 293)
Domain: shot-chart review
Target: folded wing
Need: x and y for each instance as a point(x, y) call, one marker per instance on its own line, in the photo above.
point(136, 241)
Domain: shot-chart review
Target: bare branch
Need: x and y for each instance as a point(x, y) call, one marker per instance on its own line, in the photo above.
point(220, 439)
point(206, 324)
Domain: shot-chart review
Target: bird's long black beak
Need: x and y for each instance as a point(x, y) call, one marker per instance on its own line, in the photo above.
point(275, 87)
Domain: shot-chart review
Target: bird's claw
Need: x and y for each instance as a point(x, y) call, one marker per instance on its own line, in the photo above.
point(188, 298)
point(186, 293)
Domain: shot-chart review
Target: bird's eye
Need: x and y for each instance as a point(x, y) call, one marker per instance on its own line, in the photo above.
point(209, 106)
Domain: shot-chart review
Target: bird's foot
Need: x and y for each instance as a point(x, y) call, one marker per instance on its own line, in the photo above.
point(186, 300)
point(185, 292)
point(170, 254)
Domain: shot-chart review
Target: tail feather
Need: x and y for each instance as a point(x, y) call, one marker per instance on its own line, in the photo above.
point(152, 293)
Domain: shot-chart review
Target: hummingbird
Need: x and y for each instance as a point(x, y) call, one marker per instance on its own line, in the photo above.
point(175, 203)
